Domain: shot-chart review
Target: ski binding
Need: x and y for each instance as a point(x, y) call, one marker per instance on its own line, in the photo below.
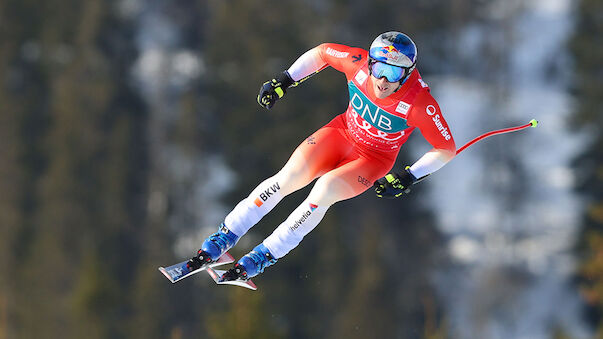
point(180, 271)
point(217, 276)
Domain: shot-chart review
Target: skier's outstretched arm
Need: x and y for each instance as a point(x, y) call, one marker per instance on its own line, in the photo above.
point(308, 64)
point(429, 119)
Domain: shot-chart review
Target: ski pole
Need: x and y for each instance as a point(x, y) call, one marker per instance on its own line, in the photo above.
point(532, 123)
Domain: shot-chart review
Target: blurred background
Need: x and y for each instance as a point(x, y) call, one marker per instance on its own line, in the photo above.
point(129, 128)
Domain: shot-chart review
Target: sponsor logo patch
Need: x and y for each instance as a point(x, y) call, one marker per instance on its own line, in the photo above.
point(372, 114)
point(336, 53)
point(259, 201)
point(403, 107)
point(304, 217)
point(431, 110)
point(443, 130)
point(389, 52)
point(364, 181)
point(361, 77)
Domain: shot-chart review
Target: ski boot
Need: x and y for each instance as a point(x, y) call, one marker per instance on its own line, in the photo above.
point(213, 248)
point(250, 265)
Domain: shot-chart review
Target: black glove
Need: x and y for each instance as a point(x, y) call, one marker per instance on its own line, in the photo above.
point(274, 89)
point(394, 184)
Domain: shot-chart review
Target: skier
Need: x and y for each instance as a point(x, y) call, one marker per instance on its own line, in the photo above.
point(388, 100)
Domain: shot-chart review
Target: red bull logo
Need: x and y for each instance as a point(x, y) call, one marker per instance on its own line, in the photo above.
point(389, 52)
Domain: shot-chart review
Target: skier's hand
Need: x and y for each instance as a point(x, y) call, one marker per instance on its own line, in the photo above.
point(394, 184)
point(274, 89)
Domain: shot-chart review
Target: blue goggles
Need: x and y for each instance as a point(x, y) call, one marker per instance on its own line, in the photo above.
point(391, 73)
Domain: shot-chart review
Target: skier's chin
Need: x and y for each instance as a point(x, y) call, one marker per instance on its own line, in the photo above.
point(381, 95)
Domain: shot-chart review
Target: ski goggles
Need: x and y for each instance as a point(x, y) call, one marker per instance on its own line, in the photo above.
point(392, 73)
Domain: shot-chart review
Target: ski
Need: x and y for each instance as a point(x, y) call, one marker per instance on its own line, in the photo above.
point(217, 275)
point(180, 271)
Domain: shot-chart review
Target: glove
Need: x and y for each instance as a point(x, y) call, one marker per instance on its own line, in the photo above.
point(274, 89)
point(394, 184)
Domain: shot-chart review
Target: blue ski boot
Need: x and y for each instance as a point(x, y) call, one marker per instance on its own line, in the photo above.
point(250, 265)
point(213, 248)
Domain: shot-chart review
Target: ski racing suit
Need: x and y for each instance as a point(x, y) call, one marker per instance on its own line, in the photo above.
point(348, 154)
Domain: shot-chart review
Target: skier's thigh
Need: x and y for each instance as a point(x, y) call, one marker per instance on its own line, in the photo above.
point(346, 181)
point(314, 157)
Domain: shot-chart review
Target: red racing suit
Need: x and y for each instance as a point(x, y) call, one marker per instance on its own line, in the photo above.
point(375, 127)
point(348, 154)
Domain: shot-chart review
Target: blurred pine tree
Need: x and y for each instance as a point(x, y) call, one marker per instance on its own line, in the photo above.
point(77, 166)
point(587, 49)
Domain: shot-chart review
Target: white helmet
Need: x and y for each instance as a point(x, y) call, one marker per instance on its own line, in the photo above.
point(395, 49)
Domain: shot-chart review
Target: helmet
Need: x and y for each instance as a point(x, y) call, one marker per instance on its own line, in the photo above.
point(394, 49)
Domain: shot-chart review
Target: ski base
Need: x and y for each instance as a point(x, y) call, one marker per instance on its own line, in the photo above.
point(179, 271)
point(217, 274)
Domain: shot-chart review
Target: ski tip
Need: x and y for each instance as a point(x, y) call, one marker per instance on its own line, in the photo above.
point(252, 285)
point(167, 275)
point(534, 123)
point(226, 258)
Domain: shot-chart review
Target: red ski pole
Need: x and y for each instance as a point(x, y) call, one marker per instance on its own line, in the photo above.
point(532, 123)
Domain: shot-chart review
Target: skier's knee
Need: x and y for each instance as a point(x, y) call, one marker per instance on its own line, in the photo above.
point(329, 190)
